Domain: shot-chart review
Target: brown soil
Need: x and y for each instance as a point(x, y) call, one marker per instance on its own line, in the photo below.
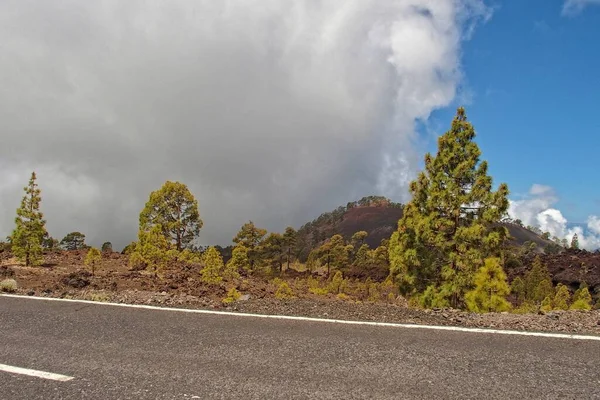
point(63, 275)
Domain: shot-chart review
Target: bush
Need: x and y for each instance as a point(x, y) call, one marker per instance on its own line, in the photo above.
point(8, 286)
point(284, 292)
point(98, 296)
point(232, 296)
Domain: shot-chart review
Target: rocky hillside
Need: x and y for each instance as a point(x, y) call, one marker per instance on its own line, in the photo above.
point(378, 216)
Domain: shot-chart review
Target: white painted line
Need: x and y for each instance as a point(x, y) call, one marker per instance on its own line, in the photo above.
point(33, 372)
point(310, 319)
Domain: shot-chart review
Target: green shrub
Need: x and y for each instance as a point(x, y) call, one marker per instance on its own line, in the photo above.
point(8, 286)
point(284, 292)
point(232, 296)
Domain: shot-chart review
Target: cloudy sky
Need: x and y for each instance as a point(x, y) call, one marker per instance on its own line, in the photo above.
point(268, 110)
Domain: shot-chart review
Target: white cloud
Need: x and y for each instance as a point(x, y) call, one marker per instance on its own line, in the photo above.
point(267, 109)
point(574, 7)
point(536, 210)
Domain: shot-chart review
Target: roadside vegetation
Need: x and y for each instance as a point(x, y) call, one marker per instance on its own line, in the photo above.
point(451, 247)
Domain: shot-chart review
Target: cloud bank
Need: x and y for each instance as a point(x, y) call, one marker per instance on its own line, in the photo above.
point(536, 210)
point(268, 110)
point(574, 7)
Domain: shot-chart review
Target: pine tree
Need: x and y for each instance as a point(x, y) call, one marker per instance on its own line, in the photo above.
point(363, 257)
point(575, 242)
point(335, 253)
point(107, 247)
point(251, 238)
point(290, 238)
point(517, 287)
point(272, 252)
point(30, 228)
point(538, 283)
point(175, 209)
point(491, 289)
point(562, 298)
point(151, 250)
point(213, 267)
point(238, 261)
point(451, 224)
point(582, 299)
point(93, 258)
point(73, 241)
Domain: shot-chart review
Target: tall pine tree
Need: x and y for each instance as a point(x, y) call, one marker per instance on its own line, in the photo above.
point(451, 224)
point(30, 227)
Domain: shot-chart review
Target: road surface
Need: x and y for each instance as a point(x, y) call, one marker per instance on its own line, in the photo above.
point(108, 352)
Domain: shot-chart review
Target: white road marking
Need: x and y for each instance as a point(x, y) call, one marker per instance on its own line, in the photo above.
point(33, 372)
point(335, 321)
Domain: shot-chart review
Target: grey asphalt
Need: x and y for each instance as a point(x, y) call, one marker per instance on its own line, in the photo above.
point(128, 353)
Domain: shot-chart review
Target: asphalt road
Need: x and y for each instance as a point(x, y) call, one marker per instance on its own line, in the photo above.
point(128, 353)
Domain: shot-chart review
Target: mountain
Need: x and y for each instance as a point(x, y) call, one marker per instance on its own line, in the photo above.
point(378, 216)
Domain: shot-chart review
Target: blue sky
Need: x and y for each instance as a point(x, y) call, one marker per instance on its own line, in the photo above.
point(532, 90)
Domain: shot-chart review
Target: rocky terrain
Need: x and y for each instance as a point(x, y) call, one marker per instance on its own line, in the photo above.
point(64, 276)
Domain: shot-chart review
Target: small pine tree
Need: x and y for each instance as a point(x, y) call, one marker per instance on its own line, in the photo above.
point(582, 299)
point(231, 271)
point(546, 304)
point(336, 283)
point(151, 249)
point(575, 242)
point(517, 287)
point(213, 267)
point(562, 298)
point(107, 247)
point(93, 258)
point(538, 283)
point(232, 296)
point(30, 228)
point(238, 262)
point(491, 289)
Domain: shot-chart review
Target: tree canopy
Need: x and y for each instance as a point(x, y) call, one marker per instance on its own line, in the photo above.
point(175, 209)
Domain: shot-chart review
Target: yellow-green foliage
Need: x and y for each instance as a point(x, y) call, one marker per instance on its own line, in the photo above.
point(213, 267)
point(151, 250)
point(98, 296)
point(451, 224)
point(284, 292)
point(314, 287)
point(232, 296)
point(374, 294)
point(175, 210)
point(491, 289)
point(388, 289)
point(546, 304)
point(517, 287)
point(582, 300)
point(93, 258)
point(526, 308)
point(562, 298)
point(238, 262)
point(30, 226)
point(188, 256)
point(432, 298)
point(342, 296)
point(8, 285)
point(336, 283)
point(538, 283)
